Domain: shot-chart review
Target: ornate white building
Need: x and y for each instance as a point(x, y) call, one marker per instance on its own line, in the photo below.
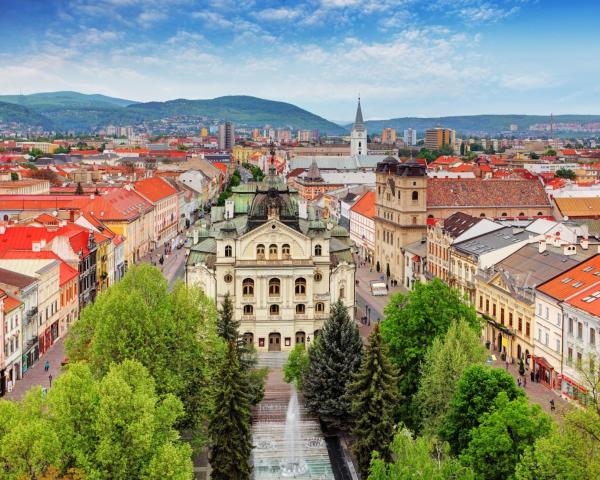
point(358, 135)
point(282, 266)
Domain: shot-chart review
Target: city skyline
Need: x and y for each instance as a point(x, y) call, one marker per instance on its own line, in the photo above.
point(405, 58)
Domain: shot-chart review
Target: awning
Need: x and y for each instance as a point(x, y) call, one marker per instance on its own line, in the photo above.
point(416, 258)
point(543, 362)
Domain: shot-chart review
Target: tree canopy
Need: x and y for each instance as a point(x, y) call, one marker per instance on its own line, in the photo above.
point(505, 432)
point(475, 394)
point(296, 366)
point(374, 394)
point(334, 357)
point(412, 322)
point(565, 173)
point(115, 427)
point(172, 334)
point(443, 364)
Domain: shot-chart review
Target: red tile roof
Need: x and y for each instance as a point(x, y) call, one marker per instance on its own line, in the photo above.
point(154, 189)
point(365, 205)
point(448, 192)
point(221, 166)
point(574, 280)
point(10, 303)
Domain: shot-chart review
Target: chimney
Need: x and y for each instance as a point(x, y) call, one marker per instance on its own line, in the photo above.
point(195, 233)
point(92, 196)
point(2, 229)
point(570, 250)
point(585, 243)
point(42, 243)
point(62, 222)
point(542, 246)
point(35, 247)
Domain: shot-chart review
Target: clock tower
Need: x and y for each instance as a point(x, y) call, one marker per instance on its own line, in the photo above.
point(358, 136)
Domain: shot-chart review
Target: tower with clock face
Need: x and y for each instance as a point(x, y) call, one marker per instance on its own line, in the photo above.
point(358, 136)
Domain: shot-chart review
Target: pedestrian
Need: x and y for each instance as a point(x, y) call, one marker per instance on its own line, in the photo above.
point(519, 381)
point(552, 406)
point(46, 366)
point(507, 364)
point(524, 382)
point(50, 379)
point(532, 375)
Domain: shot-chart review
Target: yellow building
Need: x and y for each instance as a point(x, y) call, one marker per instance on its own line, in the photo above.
point(105, 264)
point(45, 147)
point(204, 132)
point(241, 154)
point(388, 135)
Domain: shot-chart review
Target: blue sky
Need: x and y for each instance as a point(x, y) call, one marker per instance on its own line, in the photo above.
point(404, 57)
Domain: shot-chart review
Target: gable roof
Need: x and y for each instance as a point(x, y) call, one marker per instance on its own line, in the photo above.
point(579, 207)
point(458, 223)
point(154, 189)
point(450, 192)
point(365, 205)
point(574, 280)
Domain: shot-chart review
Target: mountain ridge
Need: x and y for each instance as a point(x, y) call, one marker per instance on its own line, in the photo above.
point(82, 112)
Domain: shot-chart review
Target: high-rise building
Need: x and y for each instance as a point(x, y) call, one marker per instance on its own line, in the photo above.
point(226, 136)
point(435, 138)
point(514, 127)
point(388, 135)
point(255, 134)
point(358, 136)
point(410, 137)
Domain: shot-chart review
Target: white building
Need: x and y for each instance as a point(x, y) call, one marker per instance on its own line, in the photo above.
point(358, 135)
point(280, 264)
point(410, 137)
point(362, 226)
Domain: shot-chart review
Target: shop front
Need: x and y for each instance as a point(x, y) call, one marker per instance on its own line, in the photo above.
point(499, 337)
point(545, 373)
point(573, 391)
point(31, 354)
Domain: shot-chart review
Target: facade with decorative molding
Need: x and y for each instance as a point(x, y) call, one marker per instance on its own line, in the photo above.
point(281, 265)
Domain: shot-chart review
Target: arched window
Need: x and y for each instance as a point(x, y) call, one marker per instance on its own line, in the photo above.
point(248, 338)
point(318, 276)
point(228, 251)
point(318, 250)
point(504, 214)
point(248, 310)
point(260, 251)
point(300, 309)
point(539, 214)
point(248, 287)
point(274, 287)
point(272, 251)
point(342, 292)
point(415, 195)
point(320, 307)
point(300, 286)
point(521, 214)
point(285, 250)
point(482, 214)
point(429, 216)
point(414, 220)
point(274, 310)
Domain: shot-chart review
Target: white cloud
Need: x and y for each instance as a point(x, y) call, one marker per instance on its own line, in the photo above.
point(213, 19)
point(278, 14)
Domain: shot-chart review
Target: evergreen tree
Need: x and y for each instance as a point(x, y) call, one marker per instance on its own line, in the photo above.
point(227, 326)
point(79, 189)
point(228, 329)
point(334, 358)
point(229, 428)
point(373, 393)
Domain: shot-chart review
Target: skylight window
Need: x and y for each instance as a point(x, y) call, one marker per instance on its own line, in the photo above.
point(594, 296)
point(588, 269)
point(577, 284)
point(566, 280)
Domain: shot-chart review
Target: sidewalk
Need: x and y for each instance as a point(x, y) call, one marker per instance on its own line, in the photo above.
point(36, 375)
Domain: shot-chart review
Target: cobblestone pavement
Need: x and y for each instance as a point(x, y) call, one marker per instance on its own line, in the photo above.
point(36, 375)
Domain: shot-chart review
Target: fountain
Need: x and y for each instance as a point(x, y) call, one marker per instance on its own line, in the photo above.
point(292, 465)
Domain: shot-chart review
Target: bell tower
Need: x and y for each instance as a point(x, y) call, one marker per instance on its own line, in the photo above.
point(358, 136)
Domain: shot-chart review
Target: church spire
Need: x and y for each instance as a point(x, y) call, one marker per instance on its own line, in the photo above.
point(358, 121)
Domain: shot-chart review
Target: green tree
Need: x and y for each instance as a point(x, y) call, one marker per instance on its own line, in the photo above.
point(334, 358)
point(172, 334)
point(228, 330)
point(14, 176)
point(418, 459)
point(475, 393)
point(36, 153)
point(497, 444)
point(412, 321)
point(373, 393)
point(296, 366)
point(229, 429)
point(565, 173)
point(29, 446)
point(534, 156)
point(63, 150)
point(444, 363)
point(550, 152)
point(570, 452)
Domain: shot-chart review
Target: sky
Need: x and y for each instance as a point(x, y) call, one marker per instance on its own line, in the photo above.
point(403, 57)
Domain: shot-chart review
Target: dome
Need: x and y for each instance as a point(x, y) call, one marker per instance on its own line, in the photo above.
point(316, 225)
point(339, 231)
point(203, 232)
point(389, 160)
